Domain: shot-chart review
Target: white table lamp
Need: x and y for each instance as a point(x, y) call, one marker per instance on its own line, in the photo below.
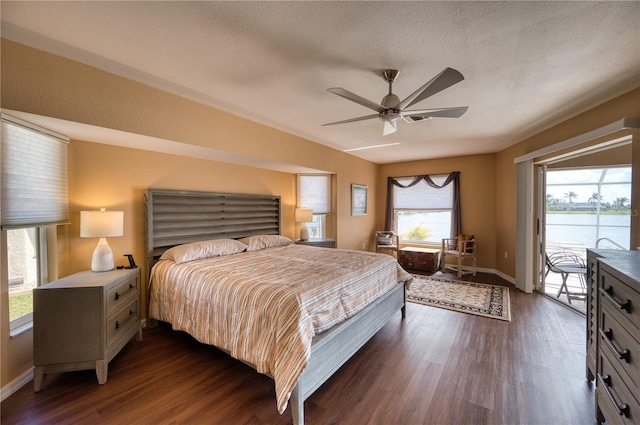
point(101, 224)
point(303, 216)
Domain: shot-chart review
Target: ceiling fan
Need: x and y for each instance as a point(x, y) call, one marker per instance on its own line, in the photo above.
point(391, 109)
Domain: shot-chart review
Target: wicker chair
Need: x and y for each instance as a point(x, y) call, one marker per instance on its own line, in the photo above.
point(387, 241)
point(462, 250)
point(566, 263)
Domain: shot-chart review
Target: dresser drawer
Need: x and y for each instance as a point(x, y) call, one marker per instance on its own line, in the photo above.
point(617, 295)
point(621, 349)
point(614, 398)
point(121, 293)
point(123, 324)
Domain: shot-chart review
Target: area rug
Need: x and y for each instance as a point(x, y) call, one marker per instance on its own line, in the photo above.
point(467, 297)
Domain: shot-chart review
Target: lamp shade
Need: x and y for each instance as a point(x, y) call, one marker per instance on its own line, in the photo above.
point(304, 215)
point(101, 224)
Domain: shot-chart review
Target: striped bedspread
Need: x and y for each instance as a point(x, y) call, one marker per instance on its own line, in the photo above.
point(265, 307)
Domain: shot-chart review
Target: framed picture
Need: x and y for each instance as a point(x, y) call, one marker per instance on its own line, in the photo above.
point(358, 199)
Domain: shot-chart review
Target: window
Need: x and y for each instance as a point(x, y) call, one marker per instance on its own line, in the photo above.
point(589, 207)
point(26, 269)
point(423, 209)
point(33, 196)
point(314, 192)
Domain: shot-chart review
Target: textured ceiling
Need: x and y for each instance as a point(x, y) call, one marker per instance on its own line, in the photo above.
point(527, 65)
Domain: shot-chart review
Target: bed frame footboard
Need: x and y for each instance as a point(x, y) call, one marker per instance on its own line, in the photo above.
point(333, 348)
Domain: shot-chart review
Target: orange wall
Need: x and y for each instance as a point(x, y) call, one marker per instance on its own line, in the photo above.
point(477, 195)
point(41, 83)
point(624, 106)
point(119, 182)
point(37, 82)
point(611, 157)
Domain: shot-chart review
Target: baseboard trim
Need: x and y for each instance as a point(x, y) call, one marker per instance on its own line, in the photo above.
point(505, 276)
point(469, 269)
point(16, 384)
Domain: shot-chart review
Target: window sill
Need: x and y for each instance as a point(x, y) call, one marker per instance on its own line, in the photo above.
point(19, 330)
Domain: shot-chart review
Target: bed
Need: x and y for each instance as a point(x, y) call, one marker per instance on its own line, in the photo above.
point(221, 271)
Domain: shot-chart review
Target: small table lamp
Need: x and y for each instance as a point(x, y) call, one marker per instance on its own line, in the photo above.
point(304, 215)
point(101, 224)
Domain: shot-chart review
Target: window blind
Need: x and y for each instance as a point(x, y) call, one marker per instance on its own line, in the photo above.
point(314, 192)
point(34, 176)
point(422, 196)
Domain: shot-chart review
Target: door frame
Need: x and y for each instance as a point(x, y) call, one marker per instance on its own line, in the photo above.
point(527, 264)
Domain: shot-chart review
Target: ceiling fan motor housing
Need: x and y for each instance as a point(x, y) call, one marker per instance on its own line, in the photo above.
point(390, 115)
point(390, 101)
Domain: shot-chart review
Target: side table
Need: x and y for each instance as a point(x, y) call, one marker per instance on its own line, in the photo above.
point(416, 258)
point(321, 242)
point(82, 321)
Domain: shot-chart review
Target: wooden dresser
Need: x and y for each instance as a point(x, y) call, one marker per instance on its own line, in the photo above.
point(592, 309)
point(82, 321)
point(617, 334)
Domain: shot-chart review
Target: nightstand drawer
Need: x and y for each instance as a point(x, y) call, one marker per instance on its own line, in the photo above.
point(121, 324)
point(121, 294)
point(319, 242)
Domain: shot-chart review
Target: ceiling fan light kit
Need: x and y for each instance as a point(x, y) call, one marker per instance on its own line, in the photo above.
point(391, 109)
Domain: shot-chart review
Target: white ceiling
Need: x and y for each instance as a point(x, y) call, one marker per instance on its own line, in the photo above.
point(527, 65)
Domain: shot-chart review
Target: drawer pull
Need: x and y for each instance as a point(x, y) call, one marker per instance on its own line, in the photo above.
point(608, 294)
point(119, 325)
point(605, 381)
point(608, 339)
point(118, 295)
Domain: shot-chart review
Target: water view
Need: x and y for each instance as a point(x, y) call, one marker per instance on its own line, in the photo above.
point(585, 229)
point(570, 229)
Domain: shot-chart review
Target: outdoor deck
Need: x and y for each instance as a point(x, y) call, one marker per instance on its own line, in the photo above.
point(552, 286)
point(575, 284)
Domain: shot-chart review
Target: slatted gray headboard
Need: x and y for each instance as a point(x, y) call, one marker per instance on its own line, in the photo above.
point(175, 217)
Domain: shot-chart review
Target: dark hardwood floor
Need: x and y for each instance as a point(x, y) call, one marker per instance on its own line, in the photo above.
point(434, 367)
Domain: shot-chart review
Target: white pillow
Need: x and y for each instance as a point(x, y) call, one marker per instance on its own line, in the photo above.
point(203, 249)
point(256, 243)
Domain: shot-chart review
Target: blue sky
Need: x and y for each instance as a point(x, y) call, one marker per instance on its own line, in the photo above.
point(616, 183)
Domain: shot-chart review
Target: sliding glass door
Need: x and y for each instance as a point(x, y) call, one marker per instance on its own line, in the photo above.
point(579, 208)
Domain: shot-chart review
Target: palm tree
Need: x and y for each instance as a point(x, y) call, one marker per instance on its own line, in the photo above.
point(595, 200)
point(571, 195)
point(620, 203)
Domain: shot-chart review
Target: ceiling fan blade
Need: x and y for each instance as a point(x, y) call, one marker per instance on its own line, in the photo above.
point(445, 79)
point(366, 117)
point(455, 112)
point(355, 98)
point(389, 128)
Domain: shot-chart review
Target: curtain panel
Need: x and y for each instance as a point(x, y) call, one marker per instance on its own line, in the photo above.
point(397, 182)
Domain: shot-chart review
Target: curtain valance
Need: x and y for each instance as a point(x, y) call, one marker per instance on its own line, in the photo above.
point(422, 192)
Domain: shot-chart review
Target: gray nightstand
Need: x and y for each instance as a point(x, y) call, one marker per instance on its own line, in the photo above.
point(321, 242)
point(82, 321)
